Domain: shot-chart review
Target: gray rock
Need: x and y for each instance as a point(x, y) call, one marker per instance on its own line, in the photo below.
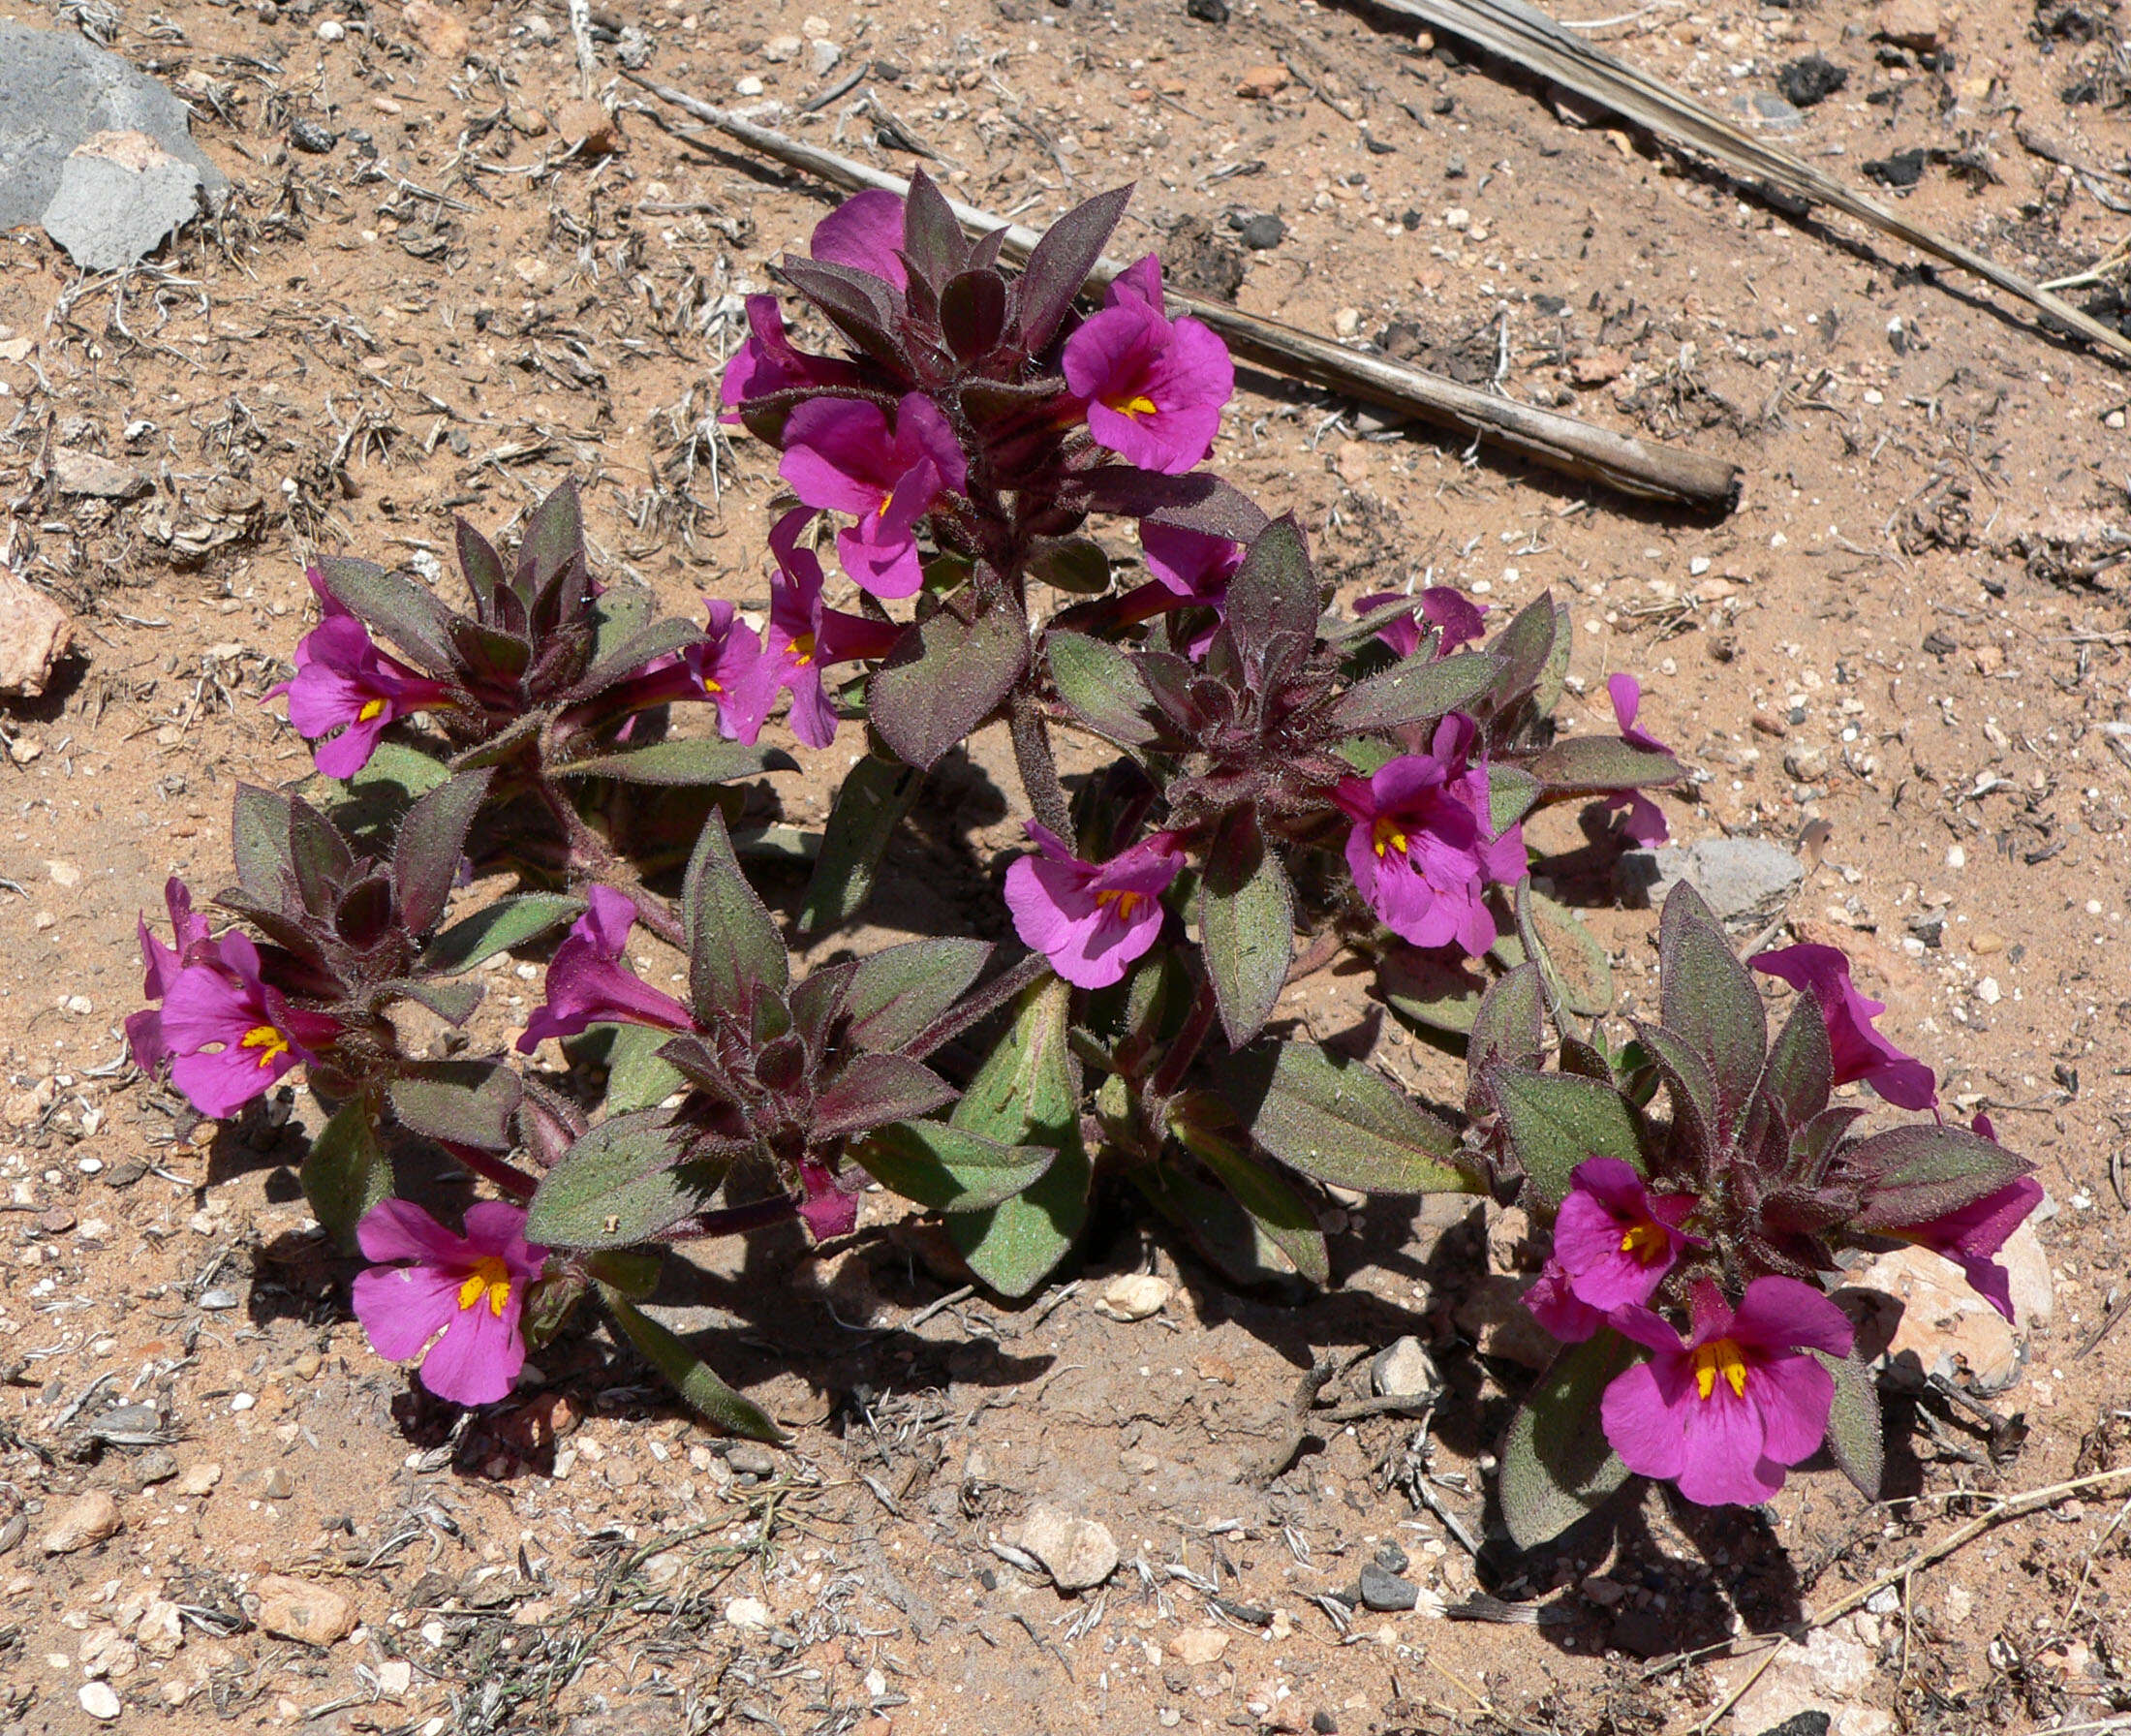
point(57, 90)
point(1078, 1553)
point(1385, 1591)
point(1740, 877)
point(155, 1466)
point(75, 471)
point(1403, 1371)
point(119, 196)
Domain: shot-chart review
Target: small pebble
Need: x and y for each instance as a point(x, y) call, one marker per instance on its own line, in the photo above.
point(331, 30)
point(749, 86)
point(99, 1700)
point(218, 1300)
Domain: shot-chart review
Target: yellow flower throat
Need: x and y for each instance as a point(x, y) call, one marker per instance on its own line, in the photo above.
point(1387, 834)
point(1139, 404)
point(1121, 905)
point(1645, 1243)
point(1720, 1356)
point(489, 1278)
point(267, 1041)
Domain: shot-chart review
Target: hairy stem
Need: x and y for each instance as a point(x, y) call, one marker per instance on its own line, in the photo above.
point(591, 855)
point(734, 1221)
point(512, 1180)
point(1032, 737)
point(1183, 1050)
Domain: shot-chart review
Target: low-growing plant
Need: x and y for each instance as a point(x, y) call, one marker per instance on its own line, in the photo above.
point(1272, 771)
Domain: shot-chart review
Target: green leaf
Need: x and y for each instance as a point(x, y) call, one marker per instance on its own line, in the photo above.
point(467, 1102)
point(1914, 1174)
point(1273, 591)
point(1246, 924)
point(1028, 1092)
point(689, 1375)
point(1101, 688)
point(1557, 1464)
point(345, 1172)
point(1569, 952)
point(425, 857)
point(896, 993)
point(1076, 565)
point(1217, 1226)
point(403, 610)
point(869, 1091)
point(1706, 998)
point(506, 924)
point(661, 639)
point(1555, 1121)
point(318, 854)
point(451, 1001)
point(1510, 1028)
point(948, 1168)
point(1415, 691)
point(259, 842)
point(735, 947)
point(1591, 763)
point(876, 794)
point(1689, 1085)
point(681, 763)
point(637, 1077)
point(1343, 1122)
point(1795, 1082)
point(1435, 989)
point(1857, 1436)
point(1511, 795)
point(619, 1184)
point(945, 678)
point(1280, 1213)
point(1546, 689)
point(1525, 646)
point(398, 766)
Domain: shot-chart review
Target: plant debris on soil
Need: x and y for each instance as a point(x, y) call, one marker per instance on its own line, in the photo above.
point(440, 283)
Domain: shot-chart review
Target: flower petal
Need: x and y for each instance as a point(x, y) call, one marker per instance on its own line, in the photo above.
point(402, 1308)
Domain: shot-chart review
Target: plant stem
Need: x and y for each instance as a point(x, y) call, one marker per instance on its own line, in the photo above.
point(590, 854)
point(734, 1221)
point(1032, 758)
point(512, 1180)
point(1183, 1050)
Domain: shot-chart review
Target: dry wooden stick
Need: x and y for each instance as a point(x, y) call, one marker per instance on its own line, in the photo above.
point(1561, 443)
point(1530, 39)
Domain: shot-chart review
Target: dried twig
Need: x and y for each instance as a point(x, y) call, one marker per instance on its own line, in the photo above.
point(1530, 39)
point(1545, 437)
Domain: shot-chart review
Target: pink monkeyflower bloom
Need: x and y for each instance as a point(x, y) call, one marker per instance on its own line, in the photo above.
point(228, 1034)
point(725, 668)
point(1154, 386)
point(1557, 1308)
point(466, 1292)
point(161, 965)
point(1724, 1413)
point(1615, 1238)
point(343, 682)
point(587, 983)
point(806, 635)
point(1860, 1051)
point(1091, 920)
point(767, 362)
point(1421, 851)
point(865, 232)
point(841, 455)
point(1456, 616)
point(1646, 820)
point(1971, 1234)
point(1186, 569)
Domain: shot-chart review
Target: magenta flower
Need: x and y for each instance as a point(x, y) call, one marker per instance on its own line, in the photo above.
point(466, 1292)
point(866, 234)
point(1421, 851)
point(767, 362)
point(841, 455)
point(343, 682)
point(1724, 1413)
point(1557, 1308)
point(1617, 1240)
point(724, 668)
point(1971, 1234)
point(1091, 920)
point(587, 983)
point(1646, 820)
point(230, 1036)
point(1456, 616)
point(831, 1208)
point(1861, 1052)
point(161, 965)
point(1154, 386)
point(1186, 569)
point(806, 637)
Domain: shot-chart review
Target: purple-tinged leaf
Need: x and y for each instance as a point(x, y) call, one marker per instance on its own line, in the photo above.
point(1814, 1145)
point(1512, 792)
point(1100, 686)
point(1689, 1087)
point(1525, 645)
point(1268, 1197)
point(1913, 1174)
point(684, 763)
point(1415, 691)
point(506, 924)
point(944, 679)
point(661, 639)
point(1195, 502)
point(1856, 1434)
point(1509, 1030)
point(1246, 924)
point(1060, 263)
point(1555, 1121)
point(363, 915)
point(488, 658)
point(735, 948)
point(453, 1002)
point(318, 854)
point(1340, 1121)
point(432, 838)
point(856, 304)
point(1588, 764)
point(1795, 1082)
point(933, 244)
point(972, 313)
point(399, 607)
point(465, 1102)
point(948, 1168)
point(480, 566)
point(1074, 565)
point(258, 840)
point(897, 993)
point(1708, 999)
point(1274, 591)
point(554, 541)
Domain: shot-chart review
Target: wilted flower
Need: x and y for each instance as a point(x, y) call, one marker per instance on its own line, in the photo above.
point(1723, 1414)
point(1613, 1238)
point(806, 635)
point(841, 455)
point(1645, 821)
point(1452, 613)
point(1422, 852)
point(1558, 1310)
point(343, 682)
point(865, 232)
point(161, 965)
point(766, 361)
point(1091, 920)
point(465, 1292)
point(1971, 1234)
point(588, 985)
point(1154, 386)
point(1860, 1051)
point(230, 1036)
